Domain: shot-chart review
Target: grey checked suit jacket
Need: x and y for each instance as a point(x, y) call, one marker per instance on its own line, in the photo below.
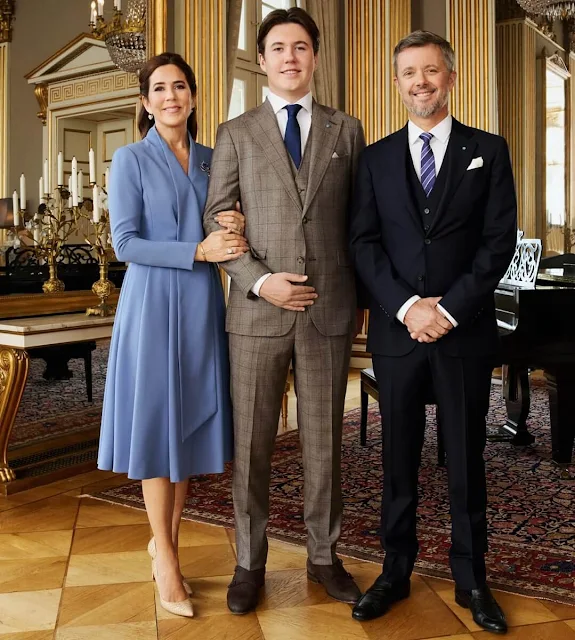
point(290, 226)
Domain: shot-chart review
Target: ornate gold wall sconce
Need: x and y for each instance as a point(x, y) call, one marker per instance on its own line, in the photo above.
point(7, 9)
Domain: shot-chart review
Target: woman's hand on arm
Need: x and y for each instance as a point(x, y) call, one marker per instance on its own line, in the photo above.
point(233, 221)
point(221, 246)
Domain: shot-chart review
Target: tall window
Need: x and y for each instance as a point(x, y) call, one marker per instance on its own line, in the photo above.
point(250, 82)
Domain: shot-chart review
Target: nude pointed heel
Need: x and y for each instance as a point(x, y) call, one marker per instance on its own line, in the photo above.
point(183, 608)
point(152, 553)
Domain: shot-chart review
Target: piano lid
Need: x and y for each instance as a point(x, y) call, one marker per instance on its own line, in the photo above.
point(556, 277)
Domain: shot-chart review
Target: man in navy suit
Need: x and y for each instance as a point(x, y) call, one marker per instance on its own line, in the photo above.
point(433, 231)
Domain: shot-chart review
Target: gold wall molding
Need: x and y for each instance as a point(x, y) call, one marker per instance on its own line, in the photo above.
point(516, 73)
point(399, 26)
point(373, 28)
point(156, 27)
point(571, 149)
point(7, 9)
point(471, 31)
point(92, 86)
point(4, 107)
point(41, 93)
point(205, 46)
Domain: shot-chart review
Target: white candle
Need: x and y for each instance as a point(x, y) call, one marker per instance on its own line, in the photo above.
point(70, 192)
point(22, 192)
point(92, 159)
point(40, 190)
point(107, 178)
point(60, 169)
point(45, 176)
point(100, 7)
point(119, 5)
point(96, 202)
point(81, 185)
point(74, 182)
point(92, 11)
point(15, 208)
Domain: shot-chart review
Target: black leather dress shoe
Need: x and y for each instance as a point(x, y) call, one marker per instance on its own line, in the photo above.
point(378, 598)
point(243, 590)
point(486, 612)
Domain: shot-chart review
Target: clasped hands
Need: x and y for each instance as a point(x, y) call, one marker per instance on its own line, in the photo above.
point(227, 244)
point(425, 322)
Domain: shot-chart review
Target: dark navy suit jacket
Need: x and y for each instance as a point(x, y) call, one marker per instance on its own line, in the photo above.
point(461, 257)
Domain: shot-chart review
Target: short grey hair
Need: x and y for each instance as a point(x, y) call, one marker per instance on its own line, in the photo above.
point(421, 39)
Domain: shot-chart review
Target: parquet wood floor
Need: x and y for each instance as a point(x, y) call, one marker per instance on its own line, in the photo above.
point(74, 568)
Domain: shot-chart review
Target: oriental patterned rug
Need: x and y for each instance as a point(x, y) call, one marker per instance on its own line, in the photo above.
point(531, 504)
point(53, 408)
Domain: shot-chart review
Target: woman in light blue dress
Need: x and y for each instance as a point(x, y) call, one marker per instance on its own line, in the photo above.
point(166, 413)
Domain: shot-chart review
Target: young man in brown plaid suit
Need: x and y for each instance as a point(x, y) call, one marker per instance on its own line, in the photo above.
point(291, 163)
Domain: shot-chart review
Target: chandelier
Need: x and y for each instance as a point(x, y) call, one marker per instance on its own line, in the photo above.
point(125, 39)
point(553, 9)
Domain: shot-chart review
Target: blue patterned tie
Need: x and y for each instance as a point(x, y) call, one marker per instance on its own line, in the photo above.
point(427, 164)
point(293, 134)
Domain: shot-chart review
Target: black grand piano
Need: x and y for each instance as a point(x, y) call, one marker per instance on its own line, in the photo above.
point(537, 329)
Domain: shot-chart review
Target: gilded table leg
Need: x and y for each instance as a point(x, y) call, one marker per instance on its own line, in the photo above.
point(285, 407)
point(13, 374)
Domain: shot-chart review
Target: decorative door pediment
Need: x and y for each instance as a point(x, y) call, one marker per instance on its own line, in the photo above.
point(83, 56)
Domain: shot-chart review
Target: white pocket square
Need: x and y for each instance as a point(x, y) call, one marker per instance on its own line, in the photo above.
point(334, 155)
point(475, 163)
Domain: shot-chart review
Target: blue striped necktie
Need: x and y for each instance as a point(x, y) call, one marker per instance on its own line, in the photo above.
point(292, 137)
point(427, 164)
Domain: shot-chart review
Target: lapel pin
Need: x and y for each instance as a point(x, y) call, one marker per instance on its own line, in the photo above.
point(328, 125)
point(464, 148)
point(205, 167)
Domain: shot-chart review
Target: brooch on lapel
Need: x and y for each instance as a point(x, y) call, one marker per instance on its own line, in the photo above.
point(206, 168)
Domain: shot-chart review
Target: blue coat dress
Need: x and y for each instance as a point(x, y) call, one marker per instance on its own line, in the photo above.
point(166, 406)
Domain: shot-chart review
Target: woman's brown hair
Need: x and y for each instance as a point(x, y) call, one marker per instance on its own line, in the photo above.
point(161, 60)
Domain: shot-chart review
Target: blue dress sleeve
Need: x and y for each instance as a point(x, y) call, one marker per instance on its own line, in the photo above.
point(126, 204)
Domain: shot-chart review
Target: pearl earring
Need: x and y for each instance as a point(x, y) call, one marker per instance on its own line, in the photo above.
point(150, 116)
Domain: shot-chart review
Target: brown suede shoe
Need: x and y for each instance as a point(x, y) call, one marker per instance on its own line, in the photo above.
point(243, 590)
point(338, 583)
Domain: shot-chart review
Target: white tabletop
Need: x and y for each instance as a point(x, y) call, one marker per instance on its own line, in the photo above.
point(63, 328)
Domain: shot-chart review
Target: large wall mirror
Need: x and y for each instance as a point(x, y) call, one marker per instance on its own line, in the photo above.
point(554, 202)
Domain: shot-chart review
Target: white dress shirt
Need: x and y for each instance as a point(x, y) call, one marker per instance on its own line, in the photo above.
point(441, 133)
point(304, 121)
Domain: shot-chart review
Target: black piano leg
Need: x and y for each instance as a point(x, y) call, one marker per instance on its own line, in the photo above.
point(517, 401)
point(560, 385)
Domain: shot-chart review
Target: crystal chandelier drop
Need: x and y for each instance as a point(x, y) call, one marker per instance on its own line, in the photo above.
point(125, 38)
point(553, 9)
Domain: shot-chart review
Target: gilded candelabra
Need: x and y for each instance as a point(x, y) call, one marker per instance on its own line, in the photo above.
point(47, 231)
point(96, 213)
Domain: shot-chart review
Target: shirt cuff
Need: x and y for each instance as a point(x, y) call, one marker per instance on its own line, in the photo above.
point(405, 307)
point(258, 285)
point(447, 315)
